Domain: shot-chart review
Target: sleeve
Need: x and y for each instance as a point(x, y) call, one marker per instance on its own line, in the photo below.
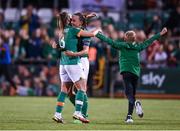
point(148, 42)
point(86, 41)
point(117, 45)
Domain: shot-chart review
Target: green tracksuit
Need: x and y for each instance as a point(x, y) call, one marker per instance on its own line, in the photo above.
point(129, 59)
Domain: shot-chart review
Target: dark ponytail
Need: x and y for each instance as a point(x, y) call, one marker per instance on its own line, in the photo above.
point(85, 18)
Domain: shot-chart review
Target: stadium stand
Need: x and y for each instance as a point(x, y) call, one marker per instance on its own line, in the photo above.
point(26, 34)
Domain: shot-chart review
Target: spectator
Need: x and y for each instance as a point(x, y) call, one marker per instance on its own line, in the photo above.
point(47, 51)
point(53, 23)
point(38, 85)
point(92, 67)
point(160, 57)
point(5, 62)
point(141, 36)
point(120, 35)
point(151, 50)
point(2, 22)
point(30, 21)
point(177, 56)
point(171, 60)
point(173, 23)
point(24, 42)
point(25, 89)
point(155, 25)
point(35, 47)
point(18, 50)
point(112, 53)
point(106, 20)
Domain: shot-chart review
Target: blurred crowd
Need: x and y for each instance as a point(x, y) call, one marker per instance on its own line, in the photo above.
point(34, 63)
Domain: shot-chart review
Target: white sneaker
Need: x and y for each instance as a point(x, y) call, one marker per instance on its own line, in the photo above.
point(58, 118)
point(79, 116)
point(139, 110)
point(129, 119)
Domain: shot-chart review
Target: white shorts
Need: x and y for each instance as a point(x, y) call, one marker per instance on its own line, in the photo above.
point(85, 66)
point(71, 73)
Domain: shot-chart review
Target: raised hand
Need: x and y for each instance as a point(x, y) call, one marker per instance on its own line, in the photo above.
point(164, 31)
point(53, 44)
point(96, 31)
point(91, 15)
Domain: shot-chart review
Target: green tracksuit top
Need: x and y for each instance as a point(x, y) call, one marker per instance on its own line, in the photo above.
point(129, 59)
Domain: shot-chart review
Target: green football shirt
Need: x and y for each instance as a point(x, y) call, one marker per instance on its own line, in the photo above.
point(70, 43)
point(129, 59)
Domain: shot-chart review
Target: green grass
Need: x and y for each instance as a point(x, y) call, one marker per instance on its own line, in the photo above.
point(35, 113)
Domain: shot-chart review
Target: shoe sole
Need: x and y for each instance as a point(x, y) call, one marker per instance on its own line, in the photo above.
point(58, 120)
point(128, 122)
point(138, 103)
point(81, 119)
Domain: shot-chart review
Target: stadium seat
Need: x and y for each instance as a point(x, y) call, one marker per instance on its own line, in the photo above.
point(24, 12)
point(165, 16)
point(136, 19)
point(45, 14)
point(1, 10)
point(11, 15)
point(68, 10)
point(114, 15)
point(136, 16)
point(150, 15)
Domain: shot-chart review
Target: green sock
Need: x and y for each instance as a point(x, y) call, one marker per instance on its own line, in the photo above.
point(79, 100)
point(60, 101)
point(85, 106)
point(72, 99)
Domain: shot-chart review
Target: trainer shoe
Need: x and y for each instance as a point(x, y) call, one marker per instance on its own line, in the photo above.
point(85, 116)
point(79, 116)
point(129, 119)
point(58, 119)
point(139, 110)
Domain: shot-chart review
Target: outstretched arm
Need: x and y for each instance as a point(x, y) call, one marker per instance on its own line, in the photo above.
point(149, 41)
point(117, 45)
point(84, 33)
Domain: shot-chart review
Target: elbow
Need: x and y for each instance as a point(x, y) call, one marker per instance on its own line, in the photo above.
point(84, 52)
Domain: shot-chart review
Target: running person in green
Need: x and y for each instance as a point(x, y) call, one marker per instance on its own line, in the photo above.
point(129, 63)
point(70, 70)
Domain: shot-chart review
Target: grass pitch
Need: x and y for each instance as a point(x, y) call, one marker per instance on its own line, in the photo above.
point(35, 113)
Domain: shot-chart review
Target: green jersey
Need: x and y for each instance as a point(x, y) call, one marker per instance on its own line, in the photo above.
point(129, 59)
point(70, 43)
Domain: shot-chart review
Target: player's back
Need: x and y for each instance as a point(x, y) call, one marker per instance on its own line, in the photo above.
point(71, 41)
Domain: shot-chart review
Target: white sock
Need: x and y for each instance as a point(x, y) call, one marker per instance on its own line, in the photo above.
point(57, 114)
point(77, 112)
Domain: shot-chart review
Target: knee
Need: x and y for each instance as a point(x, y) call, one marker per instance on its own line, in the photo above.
point(131, 98)
point(64, 89)
point(127, 92)
point(80, 85)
